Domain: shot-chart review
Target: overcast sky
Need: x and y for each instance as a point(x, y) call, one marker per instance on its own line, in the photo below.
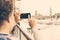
point(42, 6)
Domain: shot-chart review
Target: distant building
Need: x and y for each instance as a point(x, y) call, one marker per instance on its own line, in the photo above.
point(39, 16)
point(57, 15)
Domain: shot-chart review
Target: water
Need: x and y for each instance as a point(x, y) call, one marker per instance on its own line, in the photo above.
point(42, 22)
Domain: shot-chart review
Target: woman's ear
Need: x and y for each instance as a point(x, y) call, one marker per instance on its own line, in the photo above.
point(10, 17)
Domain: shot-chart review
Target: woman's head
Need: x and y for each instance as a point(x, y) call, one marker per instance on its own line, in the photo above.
point(6, 8)
point(6, 15)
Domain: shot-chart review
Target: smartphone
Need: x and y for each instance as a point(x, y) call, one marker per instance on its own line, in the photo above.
point(25, 15)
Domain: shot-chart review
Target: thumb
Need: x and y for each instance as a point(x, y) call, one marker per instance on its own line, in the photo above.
point(29, 17)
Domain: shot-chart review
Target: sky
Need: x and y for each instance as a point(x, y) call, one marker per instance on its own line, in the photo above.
point(42, 6)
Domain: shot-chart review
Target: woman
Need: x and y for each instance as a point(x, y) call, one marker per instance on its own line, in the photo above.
point(8, 20)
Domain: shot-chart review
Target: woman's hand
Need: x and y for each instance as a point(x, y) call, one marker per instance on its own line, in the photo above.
point(32, 22)
point(17, 16)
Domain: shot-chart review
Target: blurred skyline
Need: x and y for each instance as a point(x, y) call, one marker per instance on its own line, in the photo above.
point(42, 6)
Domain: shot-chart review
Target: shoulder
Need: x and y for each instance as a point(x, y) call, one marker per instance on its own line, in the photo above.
point(8, 37)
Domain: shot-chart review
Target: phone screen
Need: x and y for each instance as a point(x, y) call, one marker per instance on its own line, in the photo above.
point(25, 15)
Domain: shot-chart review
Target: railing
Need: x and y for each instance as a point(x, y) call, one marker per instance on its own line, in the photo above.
point(20, 34)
